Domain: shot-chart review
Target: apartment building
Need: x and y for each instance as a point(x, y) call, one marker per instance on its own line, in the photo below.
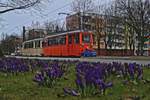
point(35, 33)
point(147, 45)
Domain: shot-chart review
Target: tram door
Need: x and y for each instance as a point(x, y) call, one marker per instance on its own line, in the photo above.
point(76, 44)
point(70, 45)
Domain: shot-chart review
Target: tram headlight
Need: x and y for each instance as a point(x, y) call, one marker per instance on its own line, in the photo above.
point(82, 44)
point(87, 47)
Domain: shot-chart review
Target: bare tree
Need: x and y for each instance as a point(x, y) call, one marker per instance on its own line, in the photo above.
point(137, 15)
point(3, 36)
point(100, 35)
point(9, 43)
point(82, 6)
point(110, 26)
point(52, 26)
point(129, 37)
point(108, 31)
point(99, 25)
point(10, 5)
point(49, 26)
point(114, 28)
point(35, 25)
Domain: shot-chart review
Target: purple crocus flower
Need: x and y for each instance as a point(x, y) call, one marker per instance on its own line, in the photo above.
point(70, 91)
point(110, 84)
point(67, 91)
point(39, 78)
point(101, 84)
point(139, 72)
point(79, 83)
point(74, 92)
point(131, 70)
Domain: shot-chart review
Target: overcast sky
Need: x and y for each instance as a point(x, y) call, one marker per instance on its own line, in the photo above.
point(12, 22)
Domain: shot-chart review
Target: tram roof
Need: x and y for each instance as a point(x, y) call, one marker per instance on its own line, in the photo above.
point(57, 34)
point(67, 32)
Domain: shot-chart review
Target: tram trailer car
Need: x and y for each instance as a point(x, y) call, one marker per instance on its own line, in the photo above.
point(74, 43)
point(32, 47)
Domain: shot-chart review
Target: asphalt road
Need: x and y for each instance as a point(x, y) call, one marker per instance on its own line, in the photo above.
point(97, 59)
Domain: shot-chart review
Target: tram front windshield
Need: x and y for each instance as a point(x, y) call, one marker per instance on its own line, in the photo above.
point(86, 38)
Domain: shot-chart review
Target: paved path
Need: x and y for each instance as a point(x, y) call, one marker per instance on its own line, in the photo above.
point(117, 60)
point(97, 59)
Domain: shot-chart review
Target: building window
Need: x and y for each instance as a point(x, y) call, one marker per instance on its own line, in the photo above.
point(119, 30)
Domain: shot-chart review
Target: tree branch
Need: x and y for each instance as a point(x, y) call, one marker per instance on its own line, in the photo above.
point(19, 7)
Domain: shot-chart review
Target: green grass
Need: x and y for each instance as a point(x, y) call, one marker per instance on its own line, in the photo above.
point(21, 87)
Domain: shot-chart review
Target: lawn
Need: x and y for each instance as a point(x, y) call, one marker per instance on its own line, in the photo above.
point(22, 87)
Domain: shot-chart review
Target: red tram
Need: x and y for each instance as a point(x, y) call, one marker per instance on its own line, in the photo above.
point(74, 43)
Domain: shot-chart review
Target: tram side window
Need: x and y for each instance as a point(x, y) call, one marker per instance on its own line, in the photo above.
point(26, 45)
point(55, 41)
point(49, 42)
point(30, 44)
point(76, 38)
point(37, 44)
point(86, 38)
point(70, 39)
point(52, 42)
point(63, 40)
